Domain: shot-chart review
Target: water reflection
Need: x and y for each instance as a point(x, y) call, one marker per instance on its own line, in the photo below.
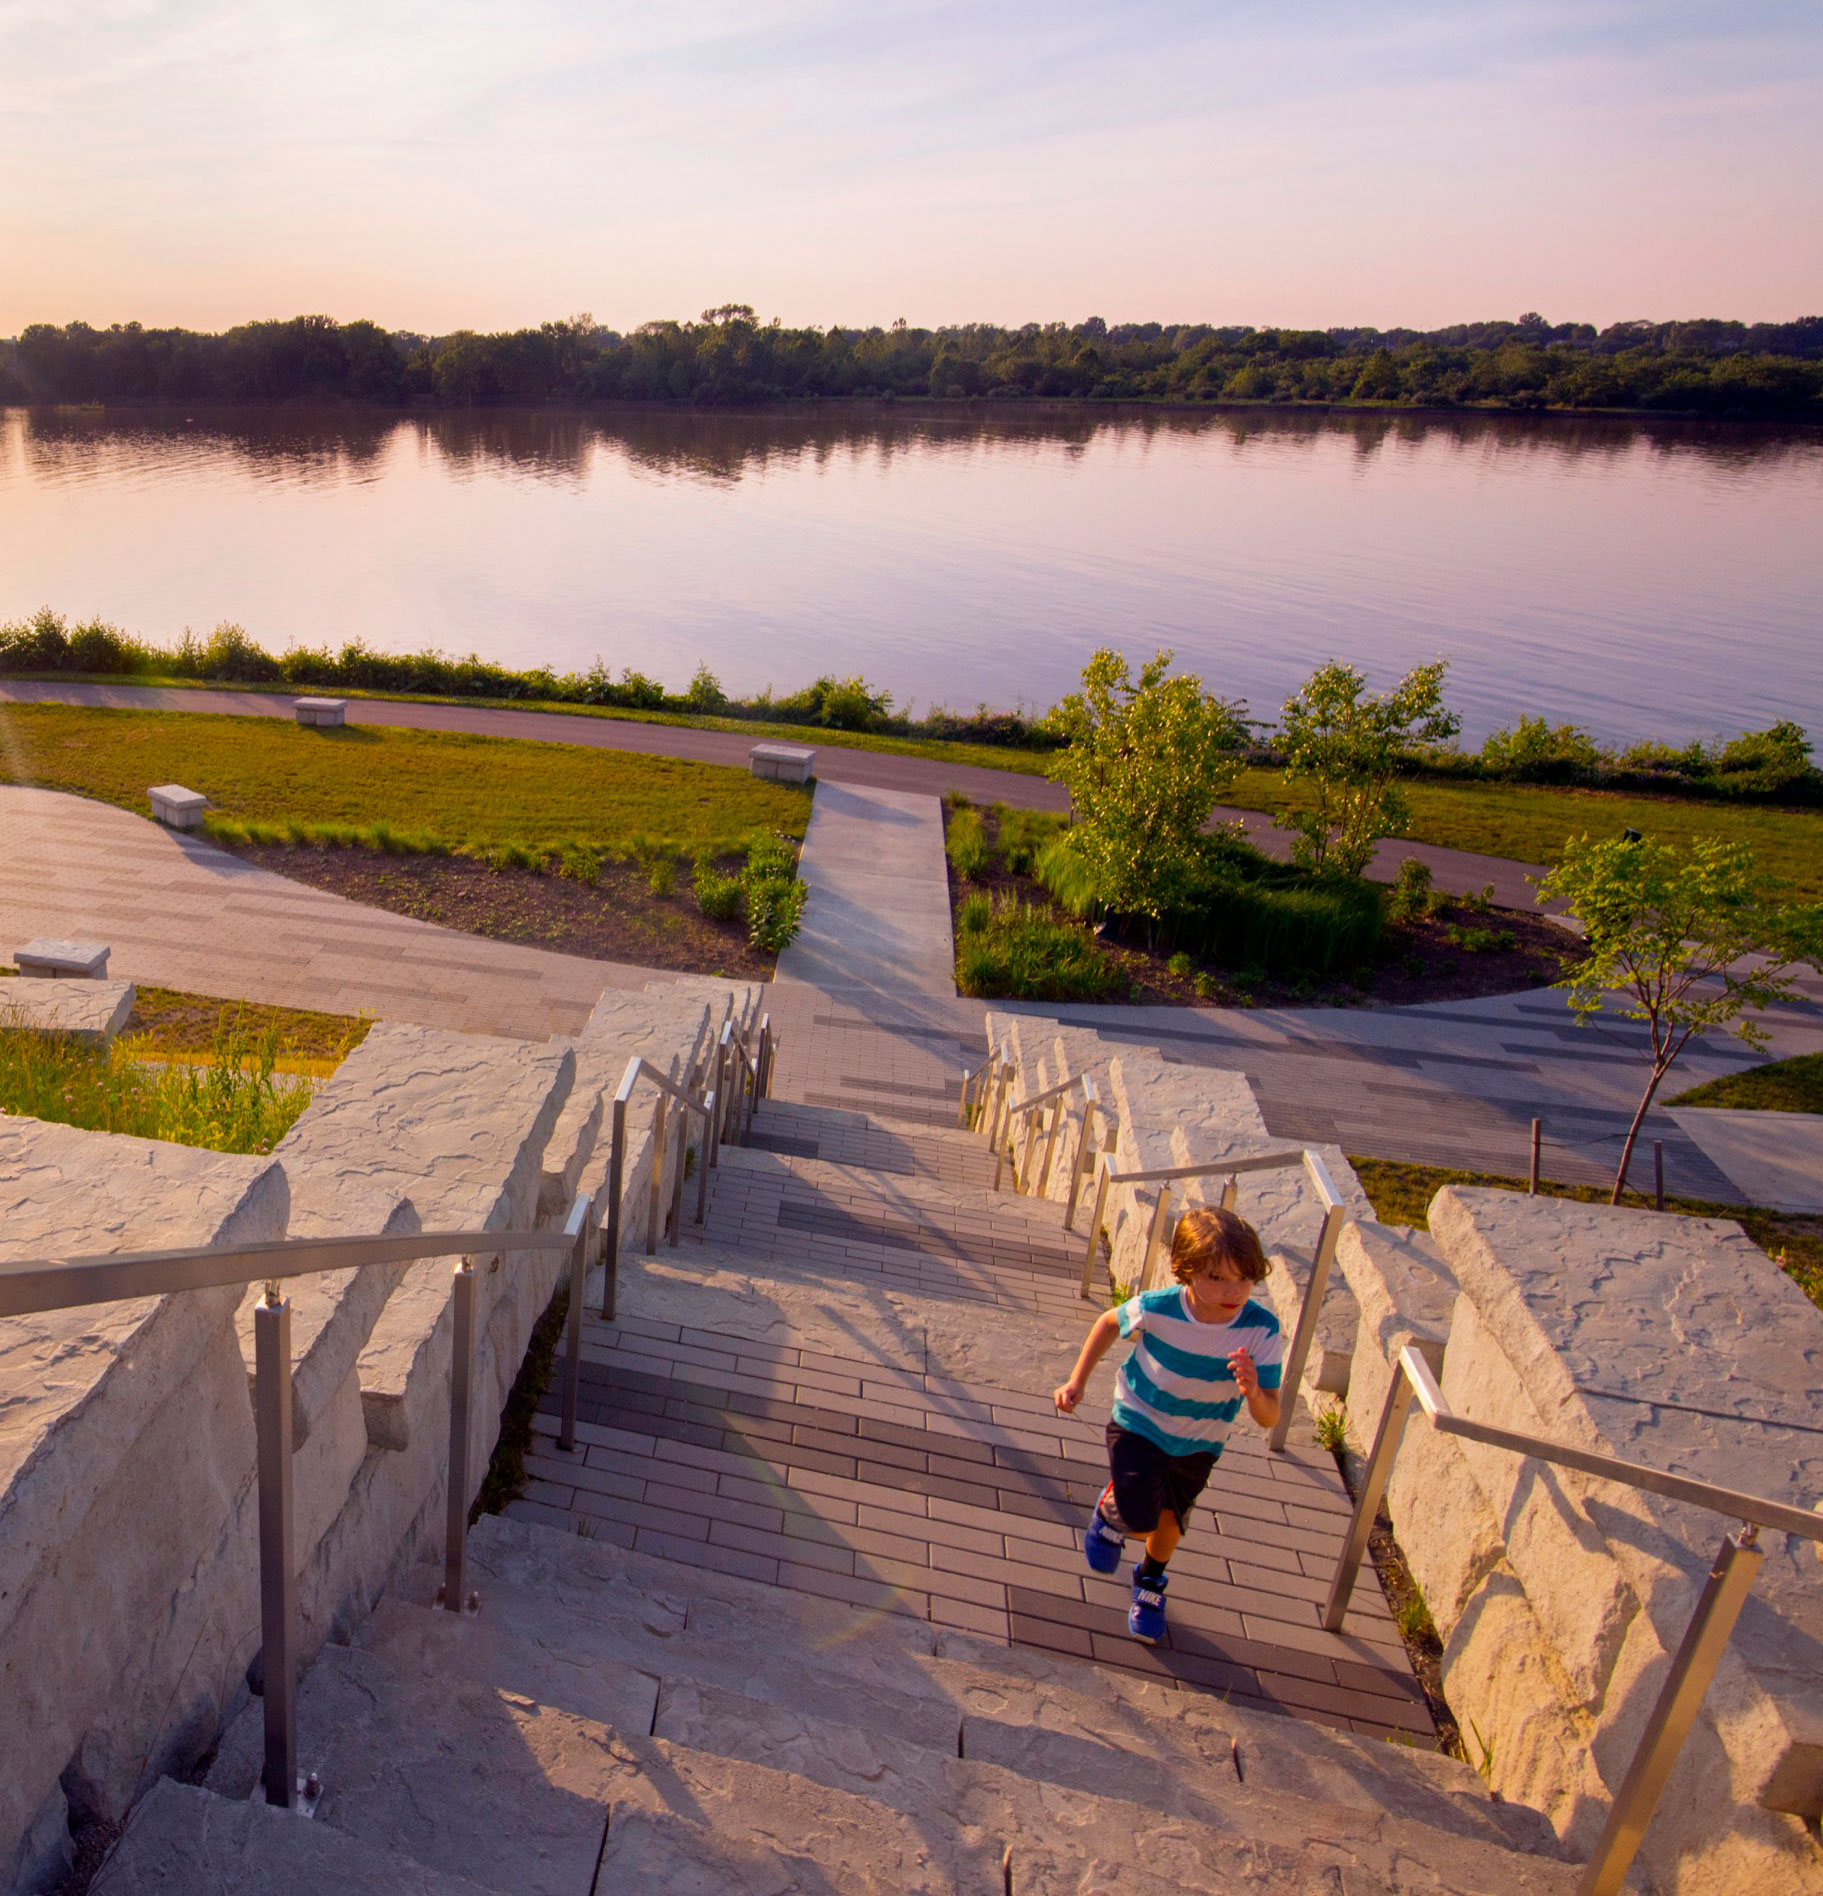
point(1657, 577)
point(341, 443)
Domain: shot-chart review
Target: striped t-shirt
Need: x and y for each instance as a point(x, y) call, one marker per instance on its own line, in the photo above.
point(1176, 1387)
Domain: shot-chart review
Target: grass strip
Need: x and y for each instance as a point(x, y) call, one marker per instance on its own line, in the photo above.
point(1530, 823)
point(167, 1021)
point(1401, 1194)
point(421, 789)
point(1785, 1086)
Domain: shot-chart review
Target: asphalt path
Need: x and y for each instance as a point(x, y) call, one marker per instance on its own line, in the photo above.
point(1456, 870)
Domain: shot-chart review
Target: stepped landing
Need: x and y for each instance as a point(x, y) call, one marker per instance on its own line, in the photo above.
point(805, 1611)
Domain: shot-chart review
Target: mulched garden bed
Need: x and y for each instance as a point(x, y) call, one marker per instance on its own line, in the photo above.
point(616, 919)
point(1418, 961)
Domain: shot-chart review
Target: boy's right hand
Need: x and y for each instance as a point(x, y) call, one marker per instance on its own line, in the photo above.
point(1067, 1396)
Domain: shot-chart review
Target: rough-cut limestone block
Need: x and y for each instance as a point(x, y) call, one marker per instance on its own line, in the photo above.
point(1404, 1294)
point(656, 1023)
point(324, 711)
point(782, 763)
point(1562, 1301)
point(176, 807)
point(126, 1474)
point(92, 1012)
point(183, 1840)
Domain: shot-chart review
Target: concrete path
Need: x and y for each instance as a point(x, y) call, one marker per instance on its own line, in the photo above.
point(1455, 870)
point(180, 913)
point(877, 923)
point(1775, 1158)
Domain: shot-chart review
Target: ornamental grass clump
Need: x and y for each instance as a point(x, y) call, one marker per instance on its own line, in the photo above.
point(966, 844)
point(231, 1100)
point(1022, 953)
point(775, 897)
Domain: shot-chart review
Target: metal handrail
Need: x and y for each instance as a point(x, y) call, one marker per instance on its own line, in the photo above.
point(638, 1068)
point(38, 1285)
point(1724, 1593)
point(1335, 1214)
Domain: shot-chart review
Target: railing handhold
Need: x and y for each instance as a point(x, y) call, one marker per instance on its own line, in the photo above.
point(454, 1596)
point(576, 1229)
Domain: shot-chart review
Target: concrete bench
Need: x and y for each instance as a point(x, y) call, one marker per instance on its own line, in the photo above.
point(782, 763)
point(321, 710)
point(176, 807)
point(63, 960)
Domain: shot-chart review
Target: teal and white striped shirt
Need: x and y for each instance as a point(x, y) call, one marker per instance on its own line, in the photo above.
point(1176, 1387)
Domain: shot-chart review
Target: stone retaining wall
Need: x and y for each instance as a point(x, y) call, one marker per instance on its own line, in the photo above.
point(128, 1548)
point(1560, 1599)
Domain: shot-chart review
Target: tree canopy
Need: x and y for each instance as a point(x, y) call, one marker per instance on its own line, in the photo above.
point(729, 356)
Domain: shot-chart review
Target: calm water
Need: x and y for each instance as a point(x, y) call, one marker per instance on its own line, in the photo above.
point(1636, 579)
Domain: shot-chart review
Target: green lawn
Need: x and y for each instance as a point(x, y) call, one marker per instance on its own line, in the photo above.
point(466, 792)
point(1786, 1086)
point(944, 750)
point(1402, 1194)
point(1528, 823)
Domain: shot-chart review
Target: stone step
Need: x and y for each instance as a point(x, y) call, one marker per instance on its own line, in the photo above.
point(716, 1731)
point(1040, 1714)
point(748, 1168)
point(900, 1147)
point(183, 1841)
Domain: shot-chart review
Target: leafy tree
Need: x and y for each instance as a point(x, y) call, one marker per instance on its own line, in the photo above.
point(1690, 941)
point(1146, 761)
point(1347, 745)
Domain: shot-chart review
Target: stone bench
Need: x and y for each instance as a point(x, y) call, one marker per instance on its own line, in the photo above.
point(63, 960)
point(781, 763)
point(176, 807)
point(321, 710)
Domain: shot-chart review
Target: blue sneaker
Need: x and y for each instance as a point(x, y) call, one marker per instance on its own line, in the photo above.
point(1101, 1544)
point(1146, 1616)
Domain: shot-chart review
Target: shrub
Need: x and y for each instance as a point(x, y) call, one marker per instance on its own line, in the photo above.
point(1205, 987)
point(1180, 965)
point(1482, 941)
point(976, 912)
point(661, 875)
point(718, 896)
point(775, 908)
point(706, 694)
point(1536, 752)
point(1025, 954)
point(770, 859)
point(579, 863)
point(1411, 899)
point(966, 844)
point(514, 856)
point(46, 643)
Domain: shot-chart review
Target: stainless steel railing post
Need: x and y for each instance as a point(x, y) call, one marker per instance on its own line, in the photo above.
point(1088, 1255)
point(1725, 1592)
point(1373, 1487)
point(617, 1172)
point(578, 1228)
point(454, 1595)
point(1308, 1314)
point(278, 1598)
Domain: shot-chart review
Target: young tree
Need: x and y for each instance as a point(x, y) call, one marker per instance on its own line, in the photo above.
point(1692, 941)
point(1145, 762)
point(1346, 743)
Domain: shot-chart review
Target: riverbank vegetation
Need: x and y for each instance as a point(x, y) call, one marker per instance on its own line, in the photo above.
point(729, 357)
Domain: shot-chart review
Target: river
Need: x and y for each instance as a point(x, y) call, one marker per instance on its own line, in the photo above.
point(1638, 579)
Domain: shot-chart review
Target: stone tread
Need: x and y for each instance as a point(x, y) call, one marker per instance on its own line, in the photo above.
point(183, 1841)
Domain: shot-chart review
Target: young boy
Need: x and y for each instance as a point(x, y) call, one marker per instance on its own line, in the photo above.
point(1200, 1349)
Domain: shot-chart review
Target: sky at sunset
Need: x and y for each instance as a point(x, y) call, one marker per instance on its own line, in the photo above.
point(462, 165)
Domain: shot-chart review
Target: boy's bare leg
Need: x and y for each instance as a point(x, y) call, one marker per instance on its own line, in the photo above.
point(1162, 1542)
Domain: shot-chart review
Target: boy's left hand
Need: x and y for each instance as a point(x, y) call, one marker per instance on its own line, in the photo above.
point(1246, 1376)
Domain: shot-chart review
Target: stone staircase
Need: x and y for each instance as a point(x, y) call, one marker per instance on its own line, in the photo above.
point(804, 1611)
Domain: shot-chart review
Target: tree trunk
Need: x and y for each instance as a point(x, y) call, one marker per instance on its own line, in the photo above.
point(1626, 1151)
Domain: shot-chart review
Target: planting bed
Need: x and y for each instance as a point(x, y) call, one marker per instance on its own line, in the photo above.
point(1417, 961)
point(615, 919)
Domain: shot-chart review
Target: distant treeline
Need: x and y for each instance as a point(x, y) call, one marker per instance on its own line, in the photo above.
point(729, 357)
point(1773, 765)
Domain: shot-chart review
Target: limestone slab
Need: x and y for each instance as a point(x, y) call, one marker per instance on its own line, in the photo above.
point(91, 1011)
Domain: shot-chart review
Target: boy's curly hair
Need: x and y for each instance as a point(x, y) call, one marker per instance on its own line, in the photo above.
point(1208, 1235)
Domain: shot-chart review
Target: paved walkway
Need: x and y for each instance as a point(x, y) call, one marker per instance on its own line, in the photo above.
point(1456, 870)
point(877, 922)
point(178, 912)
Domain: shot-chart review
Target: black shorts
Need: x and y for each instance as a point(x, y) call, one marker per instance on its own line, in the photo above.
point(1147, 1480)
